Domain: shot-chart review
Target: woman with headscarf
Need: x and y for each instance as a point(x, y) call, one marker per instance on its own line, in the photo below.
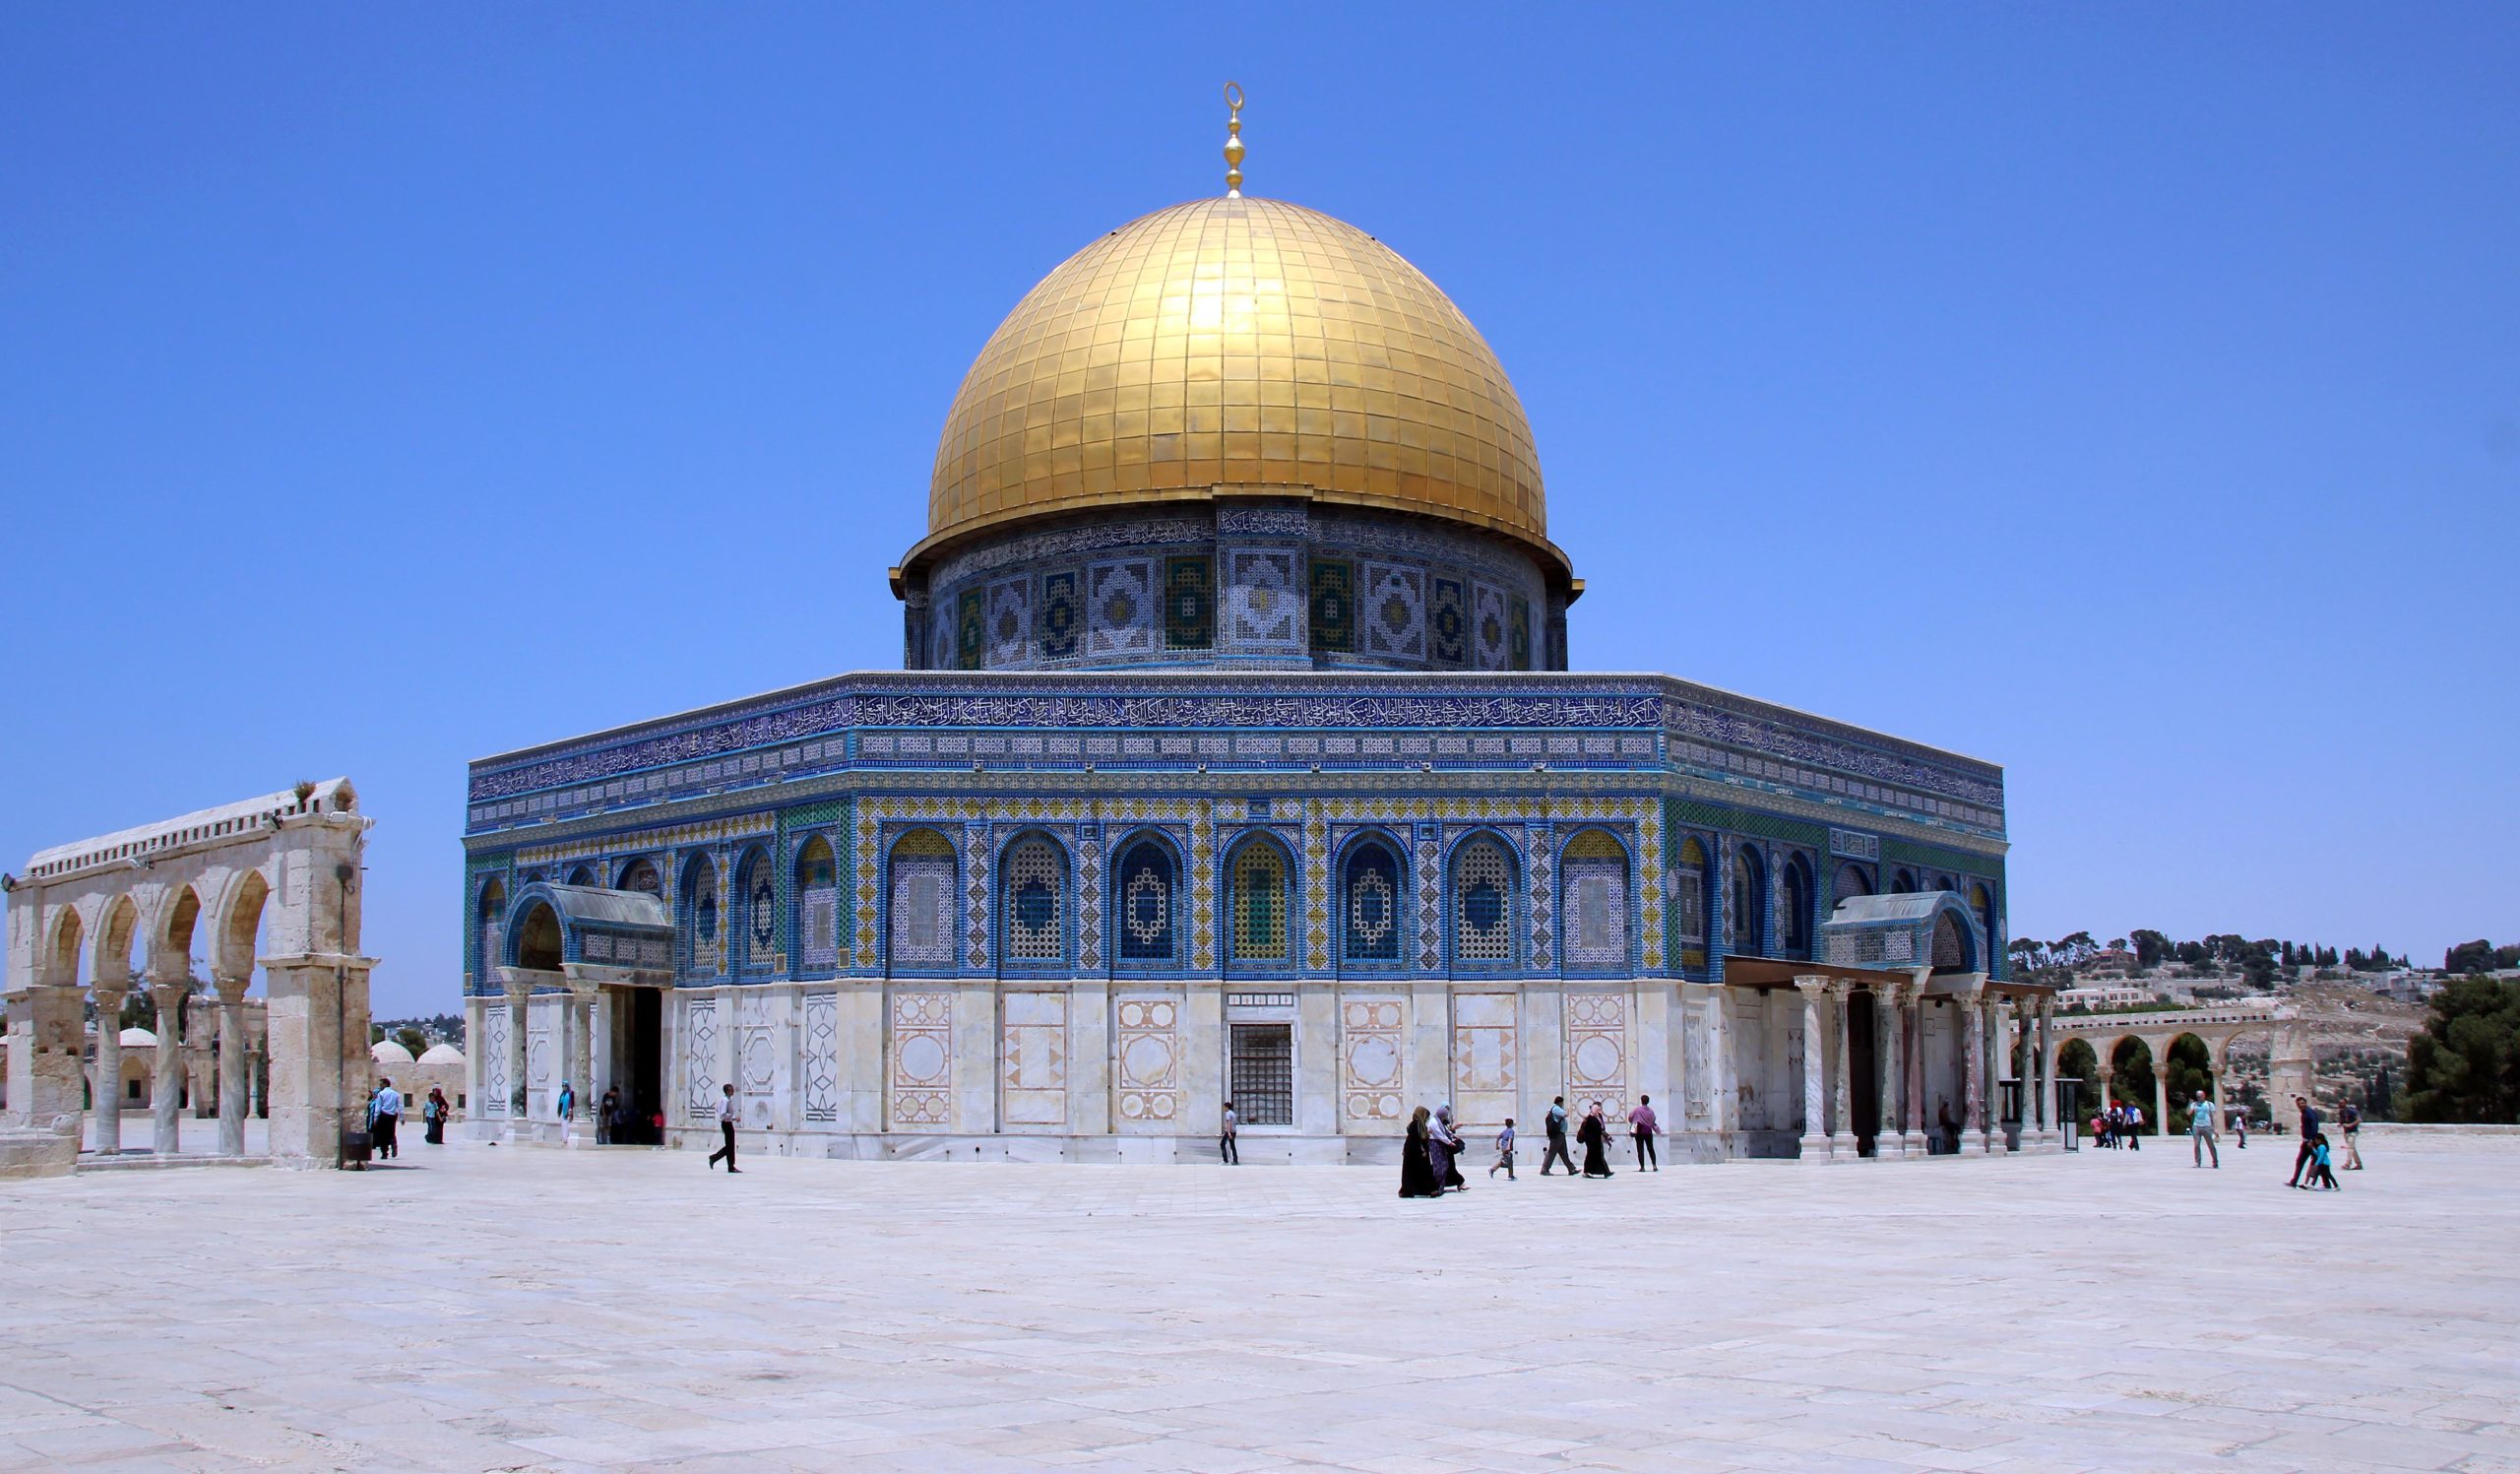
point(1594, 1137)
point(1443, 1150)
point(1417, 1174)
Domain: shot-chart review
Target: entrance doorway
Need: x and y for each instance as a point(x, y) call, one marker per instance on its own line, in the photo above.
point(640, 1064)
point(1262, 1074)
point(1863, 1071)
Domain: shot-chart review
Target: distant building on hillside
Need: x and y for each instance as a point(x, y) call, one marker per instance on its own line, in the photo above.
point(2120, 996)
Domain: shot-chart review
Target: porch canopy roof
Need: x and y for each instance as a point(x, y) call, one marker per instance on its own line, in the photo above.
point(1780, 972)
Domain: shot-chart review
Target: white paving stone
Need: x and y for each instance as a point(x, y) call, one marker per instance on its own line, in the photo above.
point(494, 1308)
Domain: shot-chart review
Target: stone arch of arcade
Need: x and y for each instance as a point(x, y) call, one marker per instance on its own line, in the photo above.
point(128, 912)
point(2288, 1047)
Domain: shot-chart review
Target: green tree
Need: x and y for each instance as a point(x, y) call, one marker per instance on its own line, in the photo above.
point(2469, 957)
point(412, 1039)
point(2465, 1067)
point(2150, 947)
point(2191, 1069)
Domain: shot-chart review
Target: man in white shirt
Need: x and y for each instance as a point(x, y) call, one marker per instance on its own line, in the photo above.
point(726, 1125)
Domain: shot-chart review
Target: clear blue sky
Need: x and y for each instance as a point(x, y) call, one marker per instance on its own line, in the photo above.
point(2127, 394)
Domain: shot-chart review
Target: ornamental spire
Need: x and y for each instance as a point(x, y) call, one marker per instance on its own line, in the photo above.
point(1233, 141)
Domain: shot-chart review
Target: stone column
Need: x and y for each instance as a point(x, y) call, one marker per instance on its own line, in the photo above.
point(2220, 1057)
point(520, 999)
point(1841, 1119)
point(105, 1102)
point(2046, 1047)
point(1973, 1028)
point(317, 1023)
point(1912, 1138)
point(578, 1016)
point(232, 1065)
point(1816, 1140)
point(167, 1096)
point(2161, 1088)
point(1889, 1018)
point(47, 1050)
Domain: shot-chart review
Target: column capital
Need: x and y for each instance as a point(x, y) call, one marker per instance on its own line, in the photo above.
point(116, 991)
point(1811, 985)
point(231, 988)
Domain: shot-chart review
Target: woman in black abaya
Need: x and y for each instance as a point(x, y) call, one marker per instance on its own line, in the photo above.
point(1596, 1138)
point(1417, 1173)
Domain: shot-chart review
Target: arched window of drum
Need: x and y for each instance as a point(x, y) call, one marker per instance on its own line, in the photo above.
point(760, 892)
point(1036, 909)
point(1749, 903)
point(641, 875)
point(1483, 904)
point(921, 894)
point(1595, 868)
point(1982, 901)
point(1851, 882)
point(1259, 883)
point(1689, 889)
point(1793, 909)
point(1145, 903)
point(1371, 900)
point(700, 916)
point(817, 906)
point(1950, 945)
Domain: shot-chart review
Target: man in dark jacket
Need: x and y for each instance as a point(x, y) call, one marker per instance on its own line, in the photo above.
point(2310, 1122)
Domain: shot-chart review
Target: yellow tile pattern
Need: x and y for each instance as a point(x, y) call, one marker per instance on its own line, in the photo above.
point(1237, 342)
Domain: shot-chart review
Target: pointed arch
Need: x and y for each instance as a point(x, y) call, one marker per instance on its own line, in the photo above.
point(1483, 913)
point(703, 941)
point(175, 934)
point(1745, 918)
point(1691, 881)
point(1981, 904)
point(1370, 892)
point(756, 933)
point(1793, 907)
point(817, 892)
point(536, 943)
point(1852, 880)
point(1145, 901)
point(1593, 875)
point(1032, 909)
point(1903, 882)
point(69, 937)
point(582, 874)
point(1954, 950)
point(920, 886)
point(110, 962)
point(491, 930)
point(243, 924)
point(1258, 902)
point(639, 872)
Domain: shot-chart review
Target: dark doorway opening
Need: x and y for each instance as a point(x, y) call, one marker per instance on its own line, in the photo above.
point(1863, 1071)
point(643, 1086)
point(1261, 1073)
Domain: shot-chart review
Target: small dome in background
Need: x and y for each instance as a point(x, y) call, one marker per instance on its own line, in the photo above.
point(387, 1051)
point(141, 1037)
point(442, 1054)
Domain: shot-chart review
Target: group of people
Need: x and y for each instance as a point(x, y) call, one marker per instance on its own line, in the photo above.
point(2120, 1126)
point(2313, 1162)
point(385, 1119)
point(1430, 1156)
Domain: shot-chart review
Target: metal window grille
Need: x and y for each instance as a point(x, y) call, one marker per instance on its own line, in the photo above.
point(1262, 1071)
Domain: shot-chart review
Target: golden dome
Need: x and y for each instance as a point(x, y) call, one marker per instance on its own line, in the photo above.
point(1242, 344)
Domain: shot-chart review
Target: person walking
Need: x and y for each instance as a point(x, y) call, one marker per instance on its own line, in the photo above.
point(1557, 1152)
point(2240, 1127)
point(2200, 1132)
point(1504, 1151)
point(727, 1129)
point(607, 1115)
point(1227, 1152)
point(2134, 1127)
point(1595, 1134)
point(568, 1101)
point(2311, 1120)
point(433, 1118)
point(385, 1113)
point(1443, 1150)
point(1641, 1123)
point(1417, 1168)
point(2349, 1117)
point(2322, 1174)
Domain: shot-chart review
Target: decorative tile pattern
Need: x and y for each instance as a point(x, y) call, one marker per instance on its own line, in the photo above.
point(1010, 622)
point(1146, 904)
point(1430, 897)
point(1394, 606)
point(1596, 901)
point(971, 630)
point(923, 901)
point(821, 1049)
point(1317, 890)
point(1540, 842)
point(1264, 610)
point(922, 1060)
point(1597, 1054)
point(1518, 633)
point(1032, 1058)
point(978, 886)
point(1119, 608)
point(1189, 603)
point(1147, 1060)
point(1487, 635)
point(496, 1089)
point(1373, 901)
point(1089, 896)
point(756, 1061)
point(1370, 1052)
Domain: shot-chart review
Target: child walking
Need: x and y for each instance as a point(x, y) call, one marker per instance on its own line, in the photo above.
point(2322, 1175)
point(1505, 1151)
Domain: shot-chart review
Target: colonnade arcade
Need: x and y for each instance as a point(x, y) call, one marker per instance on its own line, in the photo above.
point(2290, 1064)
point(273, 882)
point(1896, 1062)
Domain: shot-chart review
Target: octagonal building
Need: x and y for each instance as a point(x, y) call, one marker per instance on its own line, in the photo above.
point(1237, 758)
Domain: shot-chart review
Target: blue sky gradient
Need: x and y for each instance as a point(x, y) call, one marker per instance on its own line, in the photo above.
point(2129, 395)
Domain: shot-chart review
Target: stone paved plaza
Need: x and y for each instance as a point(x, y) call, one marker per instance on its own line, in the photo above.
point(494, 1308)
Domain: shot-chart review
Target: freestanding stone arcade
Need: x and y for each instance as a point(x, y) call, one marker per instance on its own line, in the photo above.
point(284, 866)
